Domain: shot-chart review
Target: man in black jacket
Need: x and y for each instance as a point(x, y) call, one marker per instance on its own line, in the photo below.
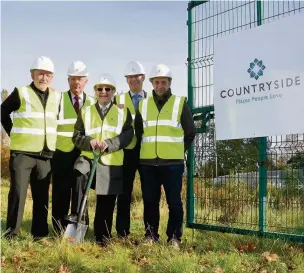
point(32, 143)
point(165, 126)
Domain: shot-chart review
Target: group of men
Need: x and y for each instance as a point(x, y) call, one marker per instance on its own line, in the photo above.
point(53, 134)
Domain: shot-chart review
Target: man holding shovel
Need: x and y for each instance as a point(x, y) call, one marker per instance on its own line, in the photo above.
point(107, 128)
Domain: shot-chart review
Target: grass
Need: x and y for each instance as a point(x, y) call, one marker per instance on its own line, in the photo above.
point(202, 251)
point(236, 205)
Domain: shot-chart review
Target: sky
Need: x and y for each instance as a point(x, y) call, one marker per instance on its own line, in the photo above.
point(104, 35)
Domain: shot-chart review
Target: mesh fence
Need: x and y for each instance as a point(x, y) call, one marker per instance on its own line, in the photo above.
point(227, 175)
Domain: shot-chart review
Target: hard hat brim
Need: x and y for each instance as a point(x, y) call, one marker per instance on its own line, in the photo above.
point(103, 84)
point(134, 74)
point(78, 75)
point(31, 70)
point(151, 78)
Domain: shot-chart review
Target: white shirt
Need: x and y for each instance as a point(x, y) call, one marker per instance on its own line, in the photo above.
point(107, 106)
point(80, 99)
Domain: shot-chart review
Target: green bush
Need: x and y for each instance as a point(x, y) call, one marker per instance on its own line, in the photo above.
point(5, 157)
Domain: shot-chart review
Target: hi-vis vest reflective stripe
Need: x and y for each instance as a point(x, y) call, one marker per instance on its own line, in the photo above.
point(163, 135)
point(125, 99)
point(110, 127)
point(32, 124)
point(66, 121)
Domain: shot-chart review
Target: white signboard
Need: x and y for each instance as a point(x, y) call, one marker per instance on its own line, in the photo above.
point(259, 80)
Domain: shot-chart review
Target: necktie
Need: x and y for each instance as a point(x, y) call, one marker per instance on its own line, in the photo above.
point(104, 111)
point(76, 104)
point(136, 98)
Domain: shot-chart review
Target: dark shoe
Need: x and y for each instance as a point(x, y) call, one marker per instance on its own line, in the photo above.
point(38, 238)
point(103, 242)
point(122, 236)
point(72, 218)
point(10, 236)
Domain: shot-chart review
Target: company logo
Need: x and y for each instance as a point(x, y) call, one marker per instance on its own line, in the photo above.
point(256, 69)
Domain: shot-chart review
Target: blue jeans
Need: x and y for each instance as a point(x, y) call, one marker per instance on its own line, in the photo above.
point(153, 177)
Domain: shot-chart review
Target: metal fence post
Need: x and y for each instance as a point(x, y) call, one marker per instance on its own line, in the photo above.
point(190, 157)
point(262, 155)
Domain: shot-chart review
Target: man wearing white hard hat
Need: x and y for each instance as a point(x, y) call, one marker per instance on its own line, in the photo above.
point(135, 76)
point(106, 128)
point(63, 177)
point(32, 144)
point(165, 127)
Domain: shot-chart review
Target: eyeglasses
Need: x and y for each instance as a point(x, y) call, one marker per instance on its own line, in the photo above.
point(108, 89)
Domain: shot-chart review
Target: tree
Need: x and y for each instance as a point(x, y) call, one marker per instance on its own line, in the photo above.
point(297, 161)
point(217, 158)
point(4, 94)
point(237, 155)
point(4, 136)
point(224, 157)
point(283, 148)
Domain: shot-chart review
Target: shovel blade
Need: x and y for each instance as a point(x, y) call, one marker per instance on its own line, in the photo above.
point(76, 232)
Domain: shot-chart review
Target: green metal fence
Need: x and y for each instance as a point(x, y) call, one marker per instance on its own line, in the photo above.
point(245, 186)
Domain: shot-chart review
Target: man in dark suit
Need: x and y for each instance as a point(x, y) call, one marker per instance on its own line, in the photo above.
point(135, 76)
point(66, 153)
point(105, 127)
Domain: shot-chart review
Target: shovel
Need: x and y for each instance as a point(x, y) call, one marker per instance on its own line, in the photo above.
point(76, 231)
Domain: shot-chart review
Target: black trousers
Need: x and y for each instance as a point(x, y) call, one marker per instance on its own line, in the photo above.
point(63, 178)
point(24, 168)
point(78, 189)
point(105, 205)
point(170, 177)
point(131, 164)
point(104, 217)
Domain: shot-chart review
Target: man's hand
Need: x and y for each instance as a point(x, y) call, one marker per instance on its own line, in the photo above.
point(104, 146)
point(96, 144)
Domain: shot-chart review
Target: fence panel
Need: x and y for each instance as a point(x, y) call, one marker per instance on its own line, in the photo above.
point(246, 185)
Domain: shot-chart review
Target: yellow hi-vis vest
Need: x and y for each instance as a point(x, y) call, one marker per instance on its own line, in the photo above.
point(163, 135)
point(66, 122)
point(32, 124)
point(111, 126)
point(126, 101)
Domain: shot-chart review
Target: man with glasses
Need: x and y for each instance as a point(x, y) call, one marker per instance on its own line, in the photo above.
point(66, 153)
point(135, 76)
point(32, 144)
point(107, 128)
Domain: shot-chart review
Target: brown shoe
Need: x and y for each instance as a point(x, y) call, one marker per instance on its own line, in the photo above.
point(149, 241)
point(175, 244)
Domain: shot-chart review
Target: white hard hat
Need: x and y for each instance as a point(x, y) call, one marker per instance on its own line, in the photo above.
point(134, 68)
point(160, 70)
point(106, 79)
point(78, 68)
point(43, 63)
